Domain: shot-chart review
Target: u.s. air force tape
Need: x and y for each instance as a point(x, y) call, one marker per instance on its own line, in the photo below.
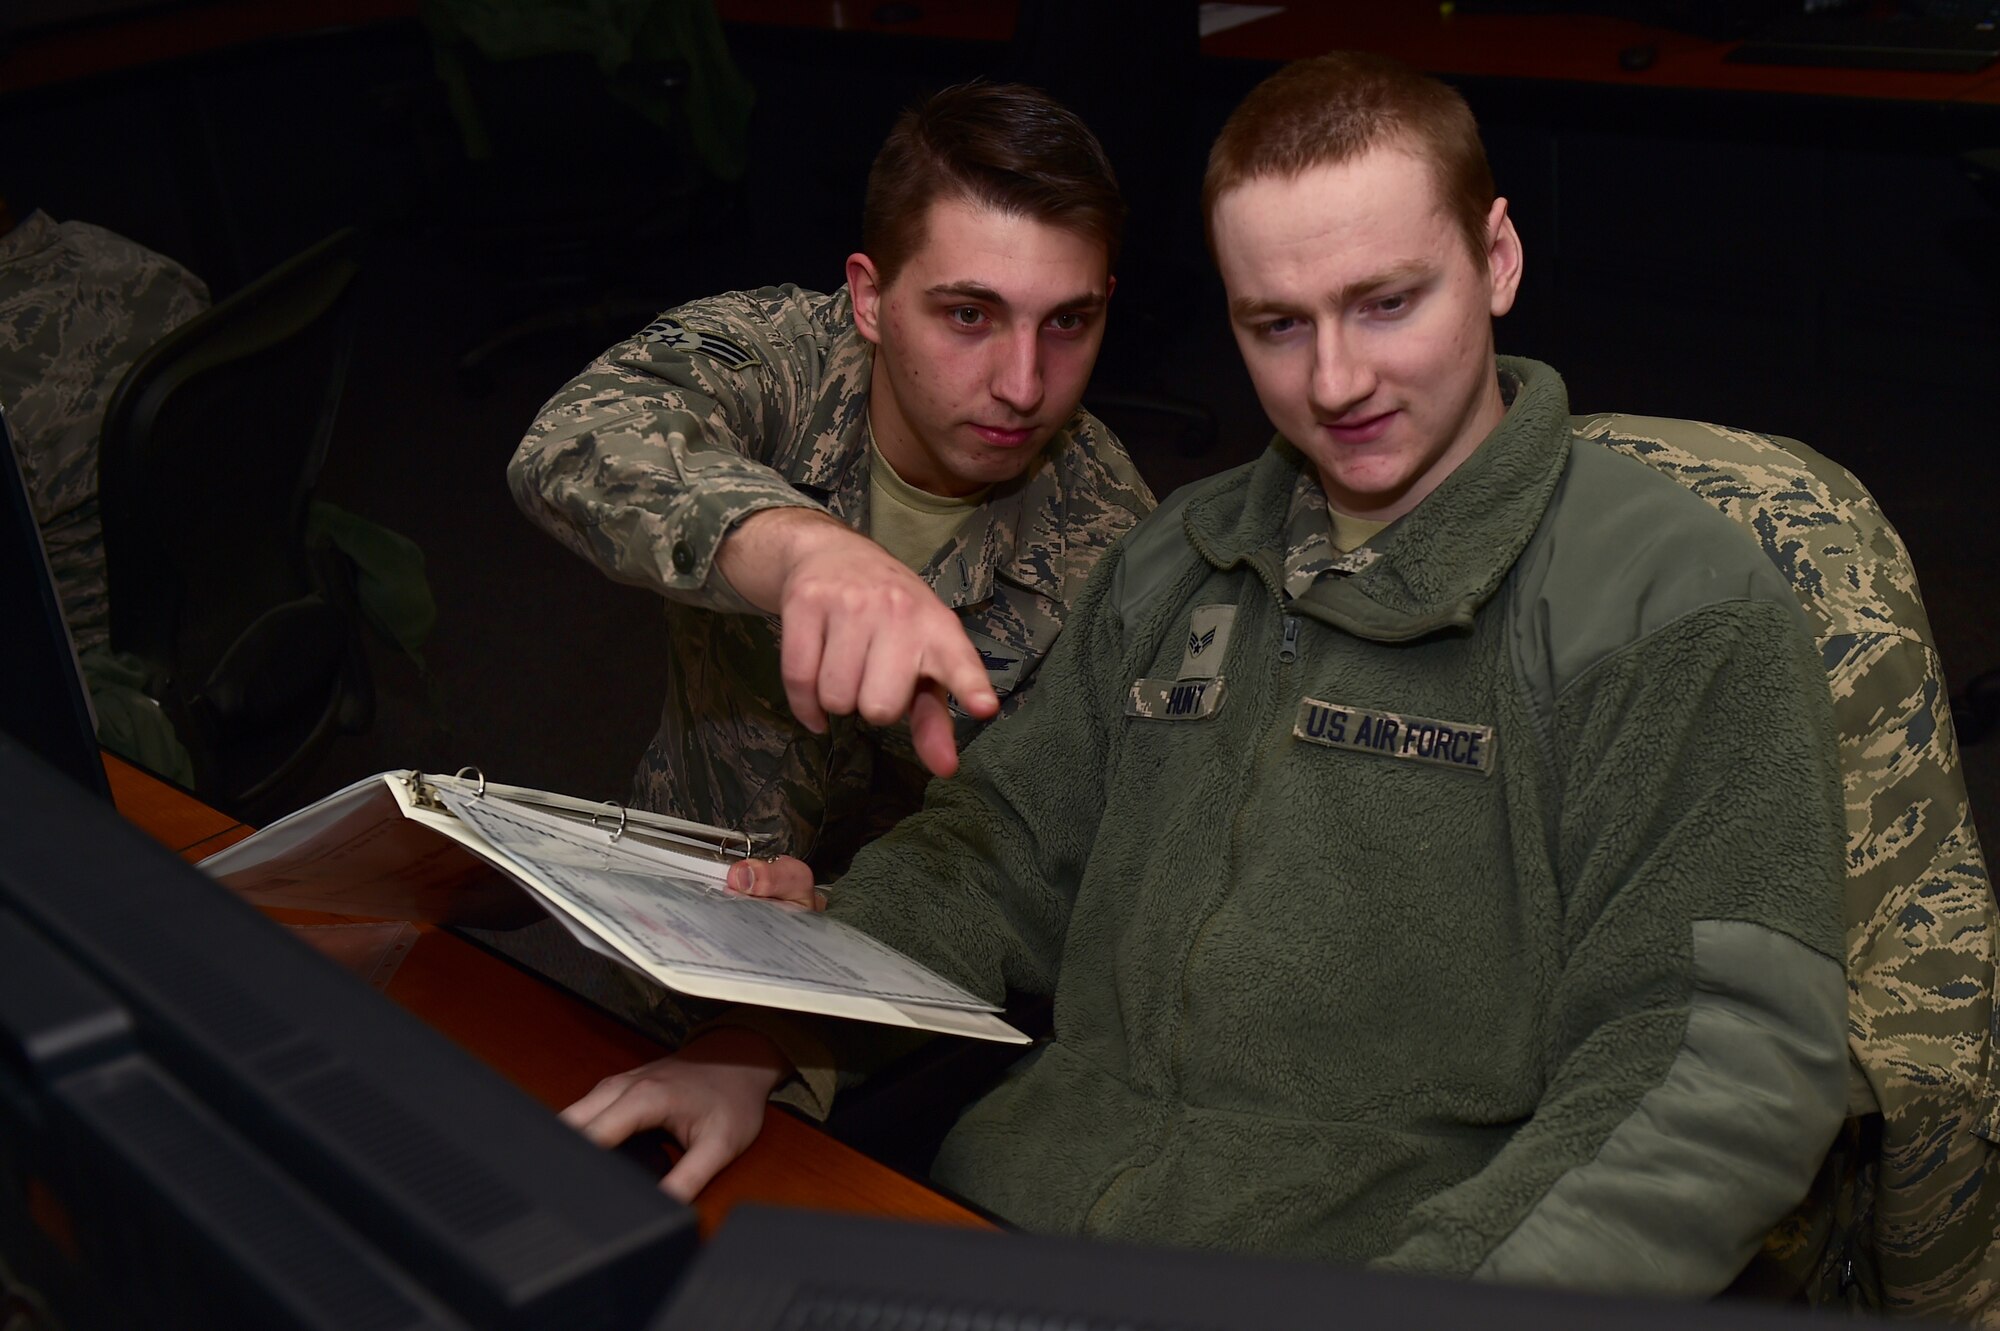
point(1465, 748)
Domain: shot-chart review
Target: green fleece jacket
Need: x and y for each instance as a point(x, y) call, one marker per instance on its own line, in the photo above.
point(1476, 911)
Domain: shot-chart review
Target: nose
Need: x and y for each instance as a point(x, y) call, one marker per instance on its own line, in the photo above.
point(1342, 379)
point(1017, 370)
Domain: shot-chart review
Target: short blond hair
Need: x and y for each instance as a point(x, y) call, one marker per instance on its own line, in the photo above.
point(1337, 107)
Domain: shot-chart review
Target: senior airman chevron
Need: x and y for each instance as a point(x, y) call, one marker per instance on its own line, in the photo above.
point(1468, 748)
point(668, 331)
point(1207, 641)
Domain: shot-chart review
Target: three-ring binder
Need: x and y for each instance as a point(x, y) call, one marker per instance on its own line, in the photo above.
point(719, 842)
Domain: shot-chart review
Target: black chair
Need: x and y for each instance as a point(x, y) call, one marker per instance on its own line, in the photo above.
point(1976, 712)
point(211, 446)
point(1186, 428)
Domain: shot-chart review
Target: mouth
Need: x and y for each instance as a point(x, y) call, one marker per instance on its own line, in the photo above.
point(1003, 438)
point(1360, 429)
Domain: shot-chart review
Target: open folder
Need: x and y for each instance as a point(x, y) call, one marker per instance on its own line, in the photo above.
point(642, 888)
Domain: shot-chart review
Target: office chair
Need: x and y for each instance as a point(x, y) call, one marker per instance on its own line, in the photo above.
point(1189, 428)
point(1905, 1211)
point(1977, 710)
point(211, 445)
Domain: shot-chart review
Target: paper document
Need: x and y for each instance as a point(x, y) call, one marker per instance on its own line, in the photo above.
point(672, 916)
point(643, 889)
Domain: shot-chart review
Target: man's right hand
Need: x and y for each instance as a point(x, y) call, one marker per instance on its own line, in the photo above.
point(861, 633)
point(710, 1097)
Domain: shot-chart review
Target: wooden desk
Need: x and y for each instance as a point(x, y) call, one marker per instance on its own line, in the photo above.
point(131, 41)
point(1575, 48)
point(1570, 48)
point(556, 1047)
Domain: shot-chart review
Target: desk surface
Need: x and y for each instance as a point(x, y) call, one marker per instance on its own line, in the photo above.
point(1549, 47)
point(556, 1047)
point(1574, 48)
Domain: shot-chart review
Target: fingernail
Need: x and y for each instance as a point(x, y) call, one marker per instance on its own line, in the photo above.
point(739, 877)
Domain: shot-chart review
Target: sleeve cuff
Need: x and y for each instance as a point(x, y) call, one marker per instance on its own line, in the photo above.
point(814, 1079)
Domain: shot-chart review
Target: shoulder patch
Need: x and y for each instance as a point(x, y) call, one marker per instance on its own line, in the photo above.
point(669, 332)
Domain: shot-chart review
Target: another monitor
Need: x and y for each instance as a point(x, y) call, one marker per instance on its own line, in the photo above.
point(204, 1123)
point(43, 703)
point(778, 1270)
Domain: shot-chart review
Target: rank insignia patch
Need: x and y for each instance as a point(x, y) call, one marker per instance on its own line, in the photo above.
point(1207, 641)
point(669, 332)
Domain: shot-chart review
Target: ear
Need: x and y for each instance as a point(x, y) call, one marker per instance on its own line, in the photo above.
point(1503, 257)
point(865, 286)
point(1110, 286)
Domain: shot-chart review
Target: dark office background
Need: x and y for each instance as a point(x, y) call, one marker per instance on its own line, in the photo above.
point(1828, 270)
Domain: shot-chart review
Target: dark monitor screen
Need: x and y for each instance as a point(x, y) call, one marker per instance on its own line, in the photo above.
point(205, 1123)
point(843, 1271)
point(42, 703)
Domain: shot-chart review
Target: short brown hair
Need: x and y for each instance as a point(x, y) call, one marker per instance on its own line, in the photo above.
point(1003, 146)
point(1336, 107)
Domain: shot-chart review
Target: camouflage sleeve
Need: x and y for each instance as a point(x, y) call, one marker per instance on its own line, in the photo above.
point(644, 462)
point(1920, 970)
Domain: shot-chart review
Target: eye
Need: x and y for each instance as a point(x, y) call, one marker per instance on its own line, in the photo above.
point(1277, 327)
point(1395, 303)
point(1069, 321)
point(966, 316)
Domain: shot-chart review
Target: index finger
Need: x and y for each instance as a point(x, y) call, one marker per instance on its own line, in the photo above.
point(954, 662)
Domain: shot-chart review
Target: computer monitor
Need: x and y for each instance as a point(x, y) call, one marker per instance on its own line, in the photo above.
point(782, 1270)
point(43, 704)
point(205, 1123)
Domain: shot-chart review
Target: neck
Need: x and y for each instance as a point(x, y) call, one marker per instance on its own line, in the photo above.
point(897, 442)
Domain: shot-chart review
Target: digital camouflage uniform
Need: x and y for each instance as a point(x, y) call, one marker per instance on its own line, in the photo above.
point(1907, 1212)
point(756, 400)
point(78, 304)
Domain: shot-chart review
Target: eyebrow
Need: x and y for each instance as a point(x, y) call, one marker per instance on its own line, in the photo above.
point(1246, 307)
point(979, 291)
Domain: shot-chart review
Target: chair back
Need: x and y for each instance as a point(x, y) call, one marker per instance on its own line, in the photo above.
point(1905, 1213)
point(211, 446)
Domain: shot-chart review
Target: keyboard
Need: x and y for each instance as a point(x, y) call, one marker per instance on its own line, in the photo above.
point(1862, 41)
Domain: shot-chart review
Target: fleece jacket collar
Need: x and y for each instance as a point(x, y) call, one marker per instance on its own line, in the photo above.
point(1441, 561)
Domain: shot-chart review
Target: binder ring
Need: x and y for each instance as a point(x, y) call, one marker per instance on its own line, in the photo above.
point(481, 776)
point(618, 831)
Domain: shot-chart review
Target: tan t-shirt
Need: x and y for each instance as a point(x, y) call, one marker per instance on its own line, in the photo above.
point(907, 522)
point(1351, 534)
